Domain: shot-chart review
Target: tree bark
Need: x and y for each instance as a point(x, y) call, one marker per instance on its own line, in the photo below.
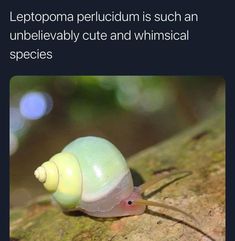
point(200, 149)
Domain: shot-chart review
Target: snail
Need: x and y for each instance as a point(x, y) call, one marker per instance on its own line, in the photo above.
point(91, 175)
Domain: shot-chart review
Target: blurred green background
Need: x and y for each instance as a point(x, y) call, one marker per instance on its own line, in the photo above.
point(133, 112)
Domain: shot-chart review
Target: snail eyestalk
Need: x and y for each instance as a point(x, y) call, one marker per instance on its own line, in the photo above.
point(156, 179)
point(156, 204)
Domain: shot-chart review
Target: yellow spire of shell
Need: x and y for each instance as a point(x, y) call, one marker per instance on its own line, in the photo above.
point(48, 174)
point(40, 174)
point(62, 176)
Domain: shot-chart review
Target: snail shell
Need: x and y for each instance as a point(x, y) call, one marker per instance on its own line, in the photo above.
point(89, 174)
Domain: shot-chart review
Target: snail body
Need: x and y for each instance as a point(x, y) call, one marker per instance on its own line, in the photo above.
point(91, 175)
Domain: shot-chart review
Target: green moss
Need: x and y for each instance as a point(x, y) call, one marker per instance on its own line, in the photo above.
point(16, 214)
